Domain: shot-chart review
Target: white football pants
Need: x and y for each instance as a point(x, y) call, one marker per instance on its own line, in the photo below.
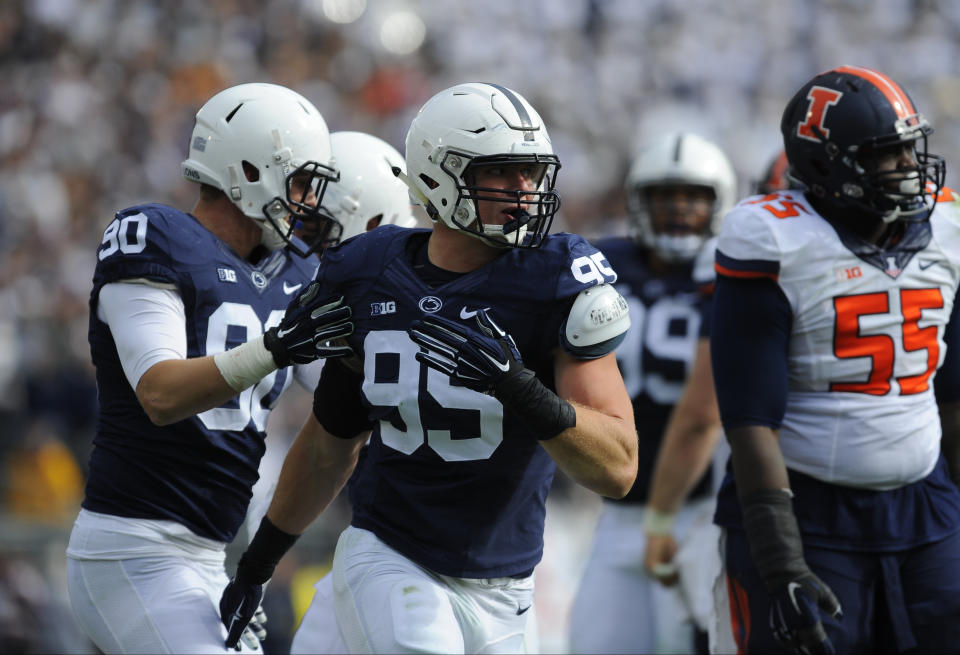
point(145, 586)
point(385, 603)
point(619, 608)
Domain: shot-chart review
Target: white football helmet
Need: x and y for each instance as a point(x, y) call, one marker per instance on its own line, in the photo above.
point(251, 141)
point(679, 158)
point(480, 124)
point(367, 189)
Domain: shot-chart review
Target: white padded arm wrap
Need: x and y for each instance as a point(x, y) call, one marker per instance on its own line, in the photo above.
point(598, 314)
point(246, 364)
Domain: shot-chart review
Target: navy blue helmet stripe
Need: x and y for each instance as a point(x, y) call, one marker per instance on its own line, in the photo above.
point(522, 113)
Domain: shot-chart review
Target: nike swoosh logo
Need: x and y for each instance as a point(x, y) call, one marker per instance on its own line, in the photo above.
point(505, 366)
point(282, 333)
point(792, 591)
point(287, 289)
point(521, 610)
point(233, 619)
point(925, 265)
point(469, 313)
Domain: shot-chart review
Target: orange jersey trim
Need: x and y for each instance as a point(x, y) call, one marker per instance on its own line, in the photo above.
point(729, 272)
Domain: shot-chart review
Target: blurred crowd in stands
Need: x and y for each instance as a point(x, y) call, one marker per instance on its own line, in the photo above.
point(98, 97)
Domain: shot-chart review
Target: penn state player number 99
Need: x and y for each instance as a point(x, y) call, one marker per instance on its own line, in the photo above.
point(402, 391)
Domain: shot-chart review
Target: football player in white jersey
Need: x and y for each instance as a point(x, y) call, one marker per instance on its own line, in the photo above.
point(192, 347)
point(841, 525)
point(678, 188)
point(487, 361)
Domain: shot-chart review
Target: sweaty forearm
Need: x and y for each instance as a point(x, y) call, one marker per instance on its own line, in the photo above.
point(757, 460)
point(599, 453)
point(316, 468)
point(176, 389)
point(682, 461)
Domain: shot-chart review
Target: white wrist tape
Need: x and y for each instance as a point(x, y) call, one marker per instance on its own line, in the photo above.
point(658, 523)
point(246, 364)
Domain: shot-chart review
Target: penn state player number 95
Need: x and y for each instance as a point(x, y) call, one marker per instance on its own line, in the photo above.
point(402, 391)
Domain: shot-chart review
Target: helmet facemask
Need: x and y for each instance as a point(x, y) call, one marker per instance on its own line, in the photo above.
point(300, 212)
point(529, 212)
point(897, 192)
point(675, 218)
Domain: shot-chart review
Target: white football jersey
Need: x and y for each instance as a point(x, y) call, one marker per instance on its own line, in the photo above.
point(865, 343)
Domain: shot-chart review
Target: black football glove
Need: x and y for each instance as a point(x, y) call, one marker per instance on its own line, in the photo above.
point(239, 606)
point(240, 602)
point(797, 595)
point(308, 327)
point(795, 615)
point(478, 359)
point(486, 359)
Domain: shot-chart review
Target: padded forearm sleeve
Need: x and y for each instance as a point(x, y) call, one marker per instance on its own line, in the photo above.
point(544, 413)
point(774, 537)
point(268, 547)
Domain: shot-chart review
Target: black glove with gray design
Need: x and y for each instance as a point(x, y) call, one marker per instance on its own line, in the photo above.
point(797, 595)
point(307, 330)
point(486, 359)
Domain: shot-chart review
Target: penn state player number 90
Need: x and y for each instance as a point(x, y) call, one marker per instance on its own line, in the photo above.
point(249, 402)
point(403, 392)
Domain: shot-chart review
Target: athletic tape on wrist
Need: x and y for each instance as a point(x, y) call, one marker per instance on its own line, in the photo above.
point(246, 364)
point(658, 523)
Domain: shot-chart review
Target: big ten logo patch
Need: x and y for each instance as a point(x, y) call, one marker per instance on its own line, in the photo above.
point(848, 273)
point(384, 307)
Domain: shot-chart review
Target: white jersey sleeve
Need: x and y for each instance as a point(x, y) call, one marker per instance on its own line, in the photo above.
point(148, 324)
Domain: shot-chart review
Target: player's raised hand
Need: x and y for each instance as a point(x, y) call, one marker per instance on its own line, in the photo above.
point(308, 327)
point(480, 358)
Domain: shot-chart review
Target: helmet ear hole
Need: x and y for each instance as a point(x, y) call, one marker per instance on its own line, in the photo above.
point(251, 172)
point(429, 181)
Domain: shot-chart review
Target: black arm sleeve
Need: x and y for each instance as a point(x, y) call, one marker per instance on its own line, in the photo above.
point(749, 342)
point(337, 401)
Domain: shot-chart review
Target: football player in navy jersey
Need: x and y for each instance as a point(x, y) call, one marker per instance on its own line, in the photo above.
point(484, 360)
point(678, 188)
point(195, 320)
point(841, 525)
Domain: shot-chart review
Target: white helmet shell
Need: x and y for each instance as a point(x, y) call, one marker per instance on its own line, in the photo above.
point(368, 186)
point(678, 158)
point(270, 130)
point(479, 123)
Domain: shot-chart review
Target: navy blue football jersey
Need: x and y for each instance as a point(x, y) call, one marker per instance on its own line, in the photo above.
point(450, 479)
point(666, 321)
point(199, 471)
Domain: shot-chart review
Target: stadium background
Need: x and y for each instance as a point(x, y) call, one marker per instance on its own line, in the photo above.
point(97, 99)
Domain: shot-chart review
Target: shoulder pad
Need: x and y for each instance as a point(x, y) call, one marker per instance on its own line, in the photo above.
point(598, 321)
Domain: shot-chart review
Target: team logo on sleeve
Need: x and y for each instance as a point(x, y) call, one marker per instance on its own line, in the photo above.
point(821, 99)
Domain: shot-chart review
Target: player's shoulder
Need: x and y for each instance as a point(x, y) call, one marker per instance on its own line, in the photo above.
point(365, 255)
point(571, 260)
point(947, 210)
point(149, 239)
point(766, 227)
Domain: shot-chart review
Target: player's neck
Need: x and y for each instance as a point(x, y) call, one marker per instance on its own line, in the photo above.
point(458, 252)
point(229, 225)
